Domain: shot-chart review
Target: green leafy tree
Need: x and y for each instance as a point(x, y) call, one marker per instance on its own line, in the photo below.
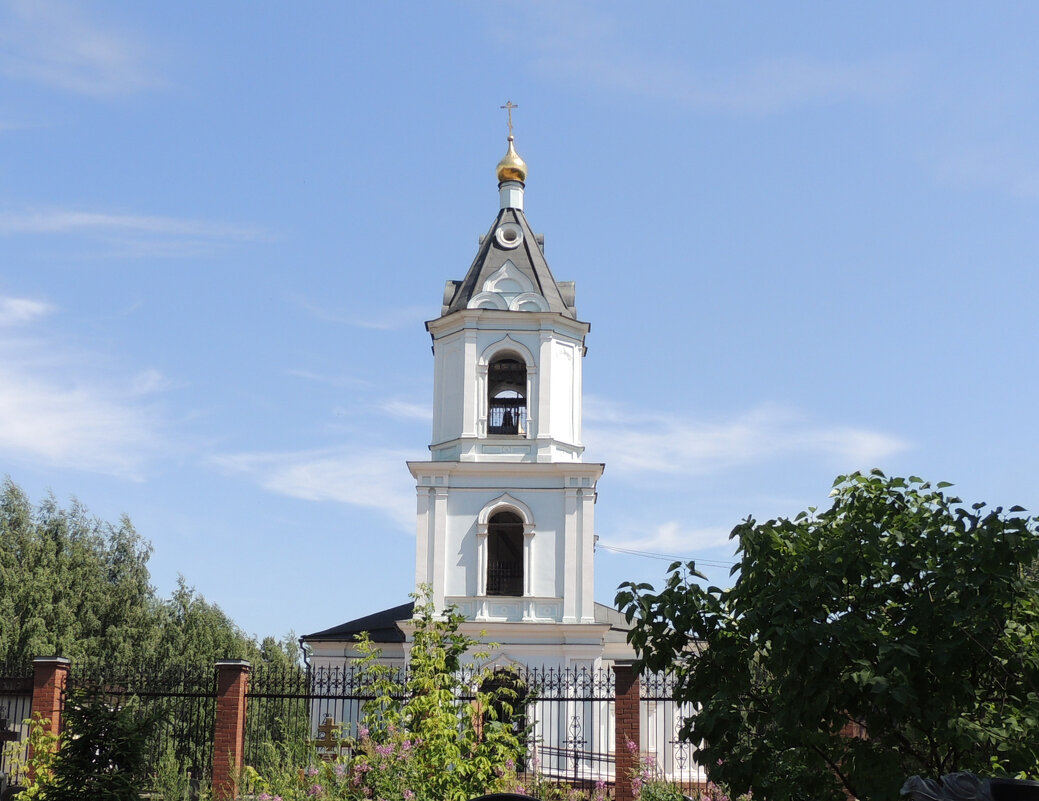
point(103, 752)
point(71, 584)
point(894, 633)
point(76, 586)
point(194, 631)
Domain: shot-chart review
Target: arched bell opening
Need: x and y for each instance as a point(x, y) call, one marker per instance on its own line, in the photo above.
point(506, 395)
point(505, 555)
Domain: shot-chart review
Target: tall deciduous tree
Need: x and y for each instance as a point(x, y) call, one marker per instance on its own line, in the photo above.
point(76, 586)
point(894, 633)
point(71, 584)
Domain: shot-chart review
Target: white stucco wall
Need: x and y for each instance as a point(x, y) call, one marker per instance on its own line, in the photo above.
point(552, 347)
point(556, 499)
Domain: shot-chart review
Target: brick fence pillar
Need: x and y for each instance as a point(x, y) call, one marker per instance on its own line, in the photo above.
point(627, 739)
point(50, 675)
point(232, 683)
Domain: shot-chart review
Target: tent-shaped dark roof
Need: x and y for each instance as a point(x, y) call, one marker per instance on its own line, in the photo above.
point(381, 627)
point(528, 258)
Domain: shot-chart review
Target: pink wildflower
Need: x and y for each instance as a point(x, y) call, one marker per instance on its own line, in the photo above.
point(315, 789)
point(408, 795)
point(312, 770)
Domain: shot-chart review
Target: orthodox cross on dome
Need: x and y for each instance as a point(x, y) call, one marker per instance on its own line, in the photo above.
point(508, 108)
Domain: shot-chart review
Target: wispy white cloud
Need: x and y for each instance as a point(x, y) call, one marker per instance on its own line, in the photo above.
point(581, 41)
point(330, 380)
point(73, 221)
point(392, 319)
point(372, 478)
point(130, 235)
point(405, 410)
point(15, 311)
point(52, 43)
point(671, 538)
point(639, 442)
point(56, 412)
point(149, 382)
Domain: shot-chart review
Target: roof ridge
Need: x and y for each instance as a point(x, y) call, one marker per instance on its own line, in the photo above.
point(527, 256)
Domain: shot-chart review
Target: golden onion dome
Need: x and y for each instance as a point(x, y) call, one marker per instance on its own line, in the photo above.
point(512, 167)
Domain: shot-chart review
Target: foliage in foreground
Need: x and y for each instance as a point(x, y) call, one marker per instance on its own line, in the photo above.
point(436, 737)
point(897, 610)
point(103, 753)
point(43, 746)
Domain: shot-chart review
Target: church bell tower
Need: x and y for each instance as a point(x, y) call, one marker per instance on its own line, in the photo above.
point(506, 506)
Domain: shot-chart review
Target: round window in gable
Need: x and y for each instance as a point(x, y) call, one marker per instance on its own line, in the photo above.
point(508, 235)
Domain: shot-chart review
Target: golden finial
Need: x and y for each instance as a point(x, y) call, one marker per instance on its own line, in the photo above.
point(511, 167)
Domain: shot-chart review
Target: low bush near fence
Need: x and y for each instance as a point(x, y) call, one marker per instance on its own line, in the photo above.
point(426, 738)
point(436, 729)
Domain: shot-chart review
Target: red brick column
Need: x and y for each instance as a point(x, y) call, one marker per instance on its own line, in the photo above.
point(232, 682)
point(627, 739)
point(50, 675)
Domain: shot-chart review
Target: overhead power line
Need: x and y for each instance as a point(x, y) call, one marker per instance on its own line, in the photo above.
point(664, 556)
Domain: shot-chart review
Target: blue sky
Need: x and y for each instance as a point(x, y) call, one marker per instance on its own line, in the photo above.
point(805, 236)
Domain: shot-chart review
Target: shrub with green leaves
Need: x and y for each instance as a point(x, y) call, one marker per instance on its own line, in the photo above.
point(899, 611)
point(33, 774)
point(436, 736)
point(103, 752)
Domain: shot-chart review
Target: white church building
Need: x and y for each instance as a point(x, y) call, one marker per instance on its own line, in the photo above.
point(505, 520)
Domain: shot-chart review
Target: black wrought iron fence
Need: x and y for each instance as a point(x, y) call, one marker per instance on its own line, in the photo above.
point(183, 698)
point(277, 718)
point(15, 709)
point(660, 720)
point(566, 714)
point(571, 733)
point(289, 709)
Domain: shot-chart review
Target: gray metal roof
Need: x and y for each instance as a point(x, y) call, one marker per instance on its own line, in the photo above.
point(528, 257)
point(382, 626)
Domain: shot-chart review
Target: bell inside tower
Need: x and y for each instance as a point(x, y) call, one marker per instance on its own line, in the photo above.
point(506, 400)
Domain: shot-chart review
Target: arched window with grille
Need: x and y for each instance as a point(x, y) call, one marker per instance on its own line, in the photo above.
point(506, 395)
point(505, 555)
